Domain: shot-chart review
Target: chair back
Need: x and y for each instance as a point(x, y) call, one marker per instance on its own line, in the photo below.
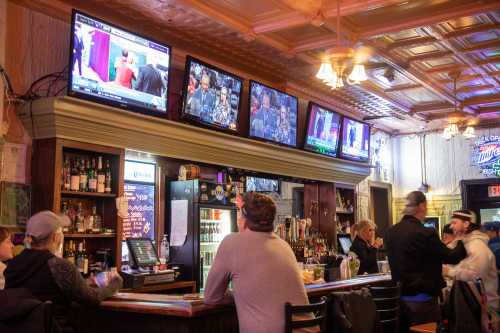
point(318, 310)
point(386, 299)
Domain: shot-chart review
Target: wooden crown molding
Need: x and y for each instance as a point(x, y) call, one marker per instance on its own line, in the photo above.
point(79, 120)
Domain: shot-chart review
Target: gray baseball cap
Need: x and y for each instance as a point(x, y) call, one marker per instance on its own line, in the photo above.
point(42, 224)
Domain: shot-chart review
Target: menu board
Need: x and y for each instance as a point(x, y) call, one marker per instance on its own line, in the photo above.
point(140, 222)
point(143, 252)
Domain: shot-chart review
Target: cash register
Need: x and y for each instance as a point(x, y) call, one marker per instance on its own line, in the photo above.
point(141, 270)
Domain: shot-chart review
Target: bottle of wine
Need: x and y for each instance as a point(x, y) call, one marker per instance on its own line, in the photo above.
point(107, 187)
point(80, 219)
point(101, 177)
point(83, 177)
point(79, 257)
point(65, 212)
point(97, 221)
point(70, 254)
point(91, 174)
point(66, 176)
point(75, 176)
point(85, 259)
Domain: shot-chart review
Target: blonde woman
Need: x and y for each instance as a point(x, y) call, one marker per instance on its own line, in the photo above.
point(365, 246)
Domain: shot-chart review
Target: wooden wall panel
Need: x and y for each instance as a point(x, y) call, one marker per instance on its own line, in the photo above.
point(327, 221)
point(311, 203)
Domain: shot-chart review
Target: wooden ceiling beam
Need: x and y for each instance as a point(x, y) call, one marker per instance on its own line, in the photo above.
point(483, 99)
point(409, 43)
point(429, 56)
point(433, 107)
point(429, 18)
point(472, 30)
point(490, 109)
point(469, 89)
point(493, 44)
point(462, 78)
point(490, 60)
point(402, 87)
point(446, 68)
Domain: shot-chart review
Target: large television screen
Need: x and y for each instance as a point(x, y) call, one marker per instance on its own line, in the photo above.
point(323, 130)
point(116, 67)
point(273, 115)
point(490, 215)
point(211, 95)
point(355, 140)
point(259, 184)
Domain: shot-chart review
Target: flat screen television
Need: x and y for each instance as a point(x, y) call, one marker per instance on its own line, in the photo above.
point(355, 143)
point(259, 184)
point(323, 130)
point(212, 96)
point(113, 66)
point(273, 115)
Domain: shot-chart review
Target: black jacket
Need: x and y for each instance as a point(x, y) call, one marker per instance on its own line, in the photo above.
point(416, 255)
point(149, 80)
point(367, 256)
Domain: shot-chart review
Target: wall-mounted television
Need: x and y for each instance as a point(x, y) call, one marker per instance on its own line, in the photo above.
point(323, 130)
point(212, 96)
point(260, 184)
point(113, 66)
point(355, 143)
point(273, 115)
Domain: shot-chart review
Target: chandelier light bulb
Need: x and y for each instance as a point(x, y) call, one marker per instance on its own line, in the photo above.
point(325, 71)
point(469, 132)
point(358, 73)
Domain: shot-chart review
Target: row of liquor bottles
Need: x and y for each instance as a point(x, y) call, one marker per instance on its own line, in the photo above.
point(86, 262)
point(84, 174)
point(210, 232)
point(80, 222)
point(315, 246)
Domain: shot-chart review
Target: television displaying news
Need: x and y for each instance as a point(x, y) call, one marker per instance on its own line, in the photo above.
point(258, 184)
point(117, 67)
point(323, 130)
point(212, 96)
point(273, 115)
point(355, 140)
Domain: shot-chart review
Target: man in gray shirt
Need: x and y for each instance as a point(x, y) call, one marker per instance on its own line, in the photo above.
point(261, 266)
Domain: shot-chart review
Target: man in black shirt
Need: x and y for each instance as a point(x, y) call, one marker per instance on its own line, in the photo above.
point(416, 256)
point(49, 277)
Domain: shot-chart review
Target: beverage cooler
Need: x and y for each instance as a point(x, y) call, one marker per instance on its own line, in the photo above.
point(483, 197)
point(211, 215)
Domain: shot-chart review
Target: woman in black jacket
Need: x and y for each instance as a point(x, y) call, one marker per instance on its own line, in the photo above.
point(365, 246)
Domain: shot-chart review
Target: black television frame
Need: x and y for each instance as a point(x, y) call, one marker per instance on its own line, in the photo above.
point(104, 101)
point(341, 142)
point(305, 146)
point(263, 177)
point(250, 115)
point(195, 120)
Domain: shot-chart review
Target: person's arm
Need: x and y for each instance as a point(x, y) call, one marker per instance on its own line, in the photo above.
point(219, 276)
point(140, 80)
point(448, 256)
point(475, 265)
point(75, 288)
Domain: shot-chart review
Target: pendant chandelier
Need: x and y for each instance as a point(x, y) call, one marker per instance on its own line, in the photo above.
point(451, 130)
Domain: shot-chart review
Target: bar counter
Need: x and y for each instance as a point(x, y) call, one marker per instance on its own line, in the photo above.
point(131, 312)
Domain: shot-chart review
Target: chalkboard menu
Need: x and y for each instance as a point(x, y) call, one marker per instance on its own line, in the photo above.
point(140, 222)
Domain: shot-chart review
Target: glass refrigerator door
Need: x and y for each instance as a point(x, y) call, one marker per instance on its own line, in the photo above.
point(215, 224)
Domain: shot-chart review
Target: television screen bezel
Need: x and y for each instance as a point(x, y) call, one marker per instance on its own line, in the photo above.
point(104, 101)
point(250, 115)
point(195, 120)
point(305, 146)
point(341, 142)
point(262, 177)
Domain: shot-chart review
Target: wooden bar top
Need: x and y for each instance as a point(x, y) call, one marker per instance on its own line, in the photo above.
point(176, 305)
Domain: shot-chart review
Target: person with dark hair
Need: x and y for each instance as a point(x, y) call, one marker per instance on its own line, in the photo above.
point(48, 277)
point(149, 79)
point(491, 229)
point(250, 259)
point(124, 71)
point(480, 261)
point(448, 235)
point(416, 255)
point(78, 47)
point(6, 247)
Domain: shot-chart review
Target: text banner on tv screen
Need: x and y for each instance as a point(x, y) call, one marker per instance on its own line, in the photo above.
point(116, 67)
point(273, 115)
point(211, 95)
point(355, 140)
point(323, 130)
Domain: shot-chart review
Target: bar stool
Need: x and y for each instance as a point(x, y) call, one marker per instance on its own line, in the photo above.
point(386, 300)
point(318, 309)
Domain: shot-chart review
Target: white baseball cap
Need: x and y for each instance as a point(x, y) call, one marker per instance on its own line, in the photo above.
point(42, 224)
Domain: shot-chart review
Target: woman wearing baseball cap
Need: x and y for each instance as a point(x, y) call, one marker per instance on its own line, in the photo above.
point(480, 261)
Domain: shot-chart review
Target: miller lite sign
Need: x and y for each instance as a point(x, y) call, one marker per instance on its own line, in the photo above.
point(486, 155)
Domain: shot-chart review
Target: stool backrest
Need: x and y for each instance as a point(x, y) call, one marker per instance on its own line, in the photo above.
point(386, 299)
point(317, 309)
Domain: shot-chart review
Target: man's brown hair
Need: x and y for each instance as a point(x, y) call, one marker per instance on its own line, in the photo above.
point(4, 234)
point(259, 211)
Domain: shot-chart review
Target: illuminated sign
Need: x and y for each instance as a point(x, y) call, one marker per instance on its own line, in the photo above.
point(486, 155)
point(139, 172)
point(494, 191)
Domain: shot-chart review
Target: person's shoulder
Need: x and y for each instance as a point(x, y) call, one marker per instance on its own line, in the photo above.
point(61, 265)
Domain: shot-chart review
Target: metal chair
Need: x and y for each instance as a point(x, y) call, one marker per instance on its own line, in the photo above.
point(386, 299)
point(318, 309)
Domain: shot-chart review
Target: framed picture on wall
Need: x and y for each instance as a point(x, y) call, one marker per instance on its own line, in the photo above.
point(433, 222)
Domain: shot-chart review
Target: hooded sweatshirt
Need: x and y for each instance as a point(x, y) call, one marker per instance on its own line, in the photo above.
point(479, 263)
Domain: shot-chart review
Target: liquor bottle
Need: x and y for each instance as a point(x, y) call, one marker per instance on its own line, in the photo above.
point(91, 174)
point(75, 177)
point(66, 175)
point(107, 187)
point(85, 260)
point(97, 221)
point(80, 219)
point(79, 257)
point(164, 249)
point(70, 254)
point(101, 177)
point(83, 177)
point(65, 212)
